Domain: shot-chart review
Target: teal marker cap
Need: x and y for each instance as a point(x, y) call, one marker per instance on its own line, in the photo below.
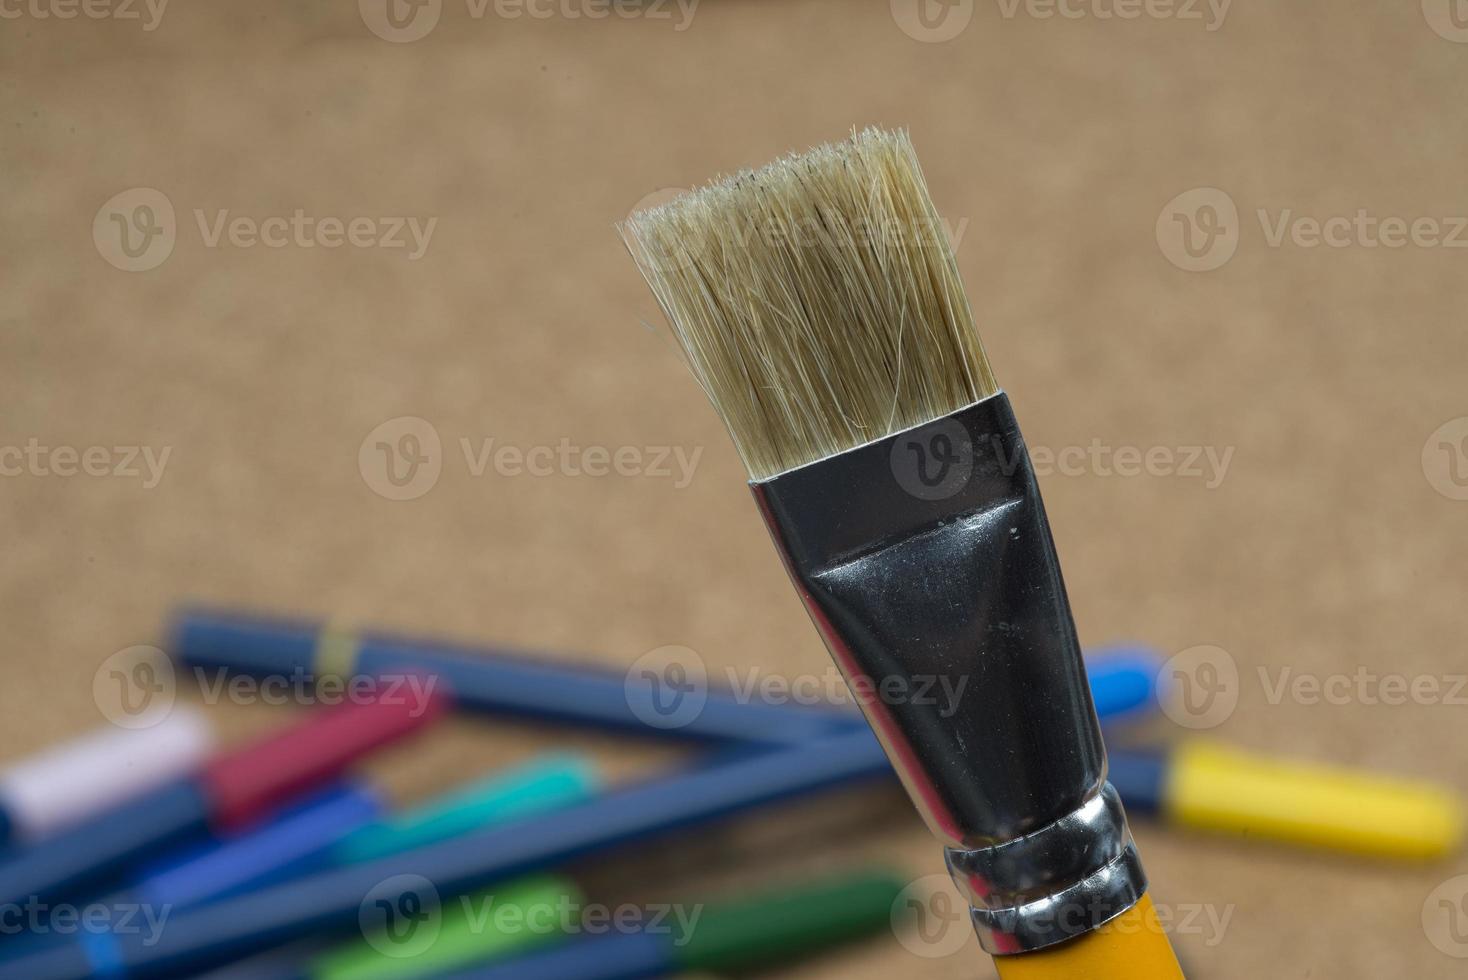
point(546, 783)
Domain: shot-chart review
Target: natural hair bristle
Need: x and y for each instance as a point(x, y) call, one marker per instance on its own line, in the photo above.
point(817, 300)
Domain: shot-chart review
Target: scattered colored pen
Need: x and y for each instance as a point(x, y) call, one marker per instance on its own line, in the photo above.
point(1202, 784)
point(297, 841)
point(496, 681)
point(486, 679)
point(346, 824)
point(331, 900)
point(765, 929)
point(416, 939)
point(65, 784)
point(1123, 681)
point(292, 841)
point(760, 931)
point(231, 790)
point(541, 785)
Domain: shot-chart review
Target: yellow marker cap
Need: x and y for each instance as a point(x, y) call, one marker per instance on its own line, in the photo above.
point(1219, 788)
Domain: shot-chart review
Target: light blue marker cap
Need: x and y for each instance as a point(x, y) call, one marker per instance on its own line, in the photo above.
point(546, 783)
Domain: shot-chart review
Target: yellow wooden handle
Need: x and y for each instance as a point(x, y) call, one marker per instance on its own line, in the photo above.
point(1132, 946)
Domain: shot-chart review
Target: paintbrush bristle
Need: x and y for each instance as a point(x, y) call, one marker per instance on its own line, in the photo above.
point(817, 300)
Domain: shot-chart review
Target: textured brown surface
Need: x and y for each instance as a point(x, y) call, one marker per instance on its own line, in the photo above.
point(1054, 142)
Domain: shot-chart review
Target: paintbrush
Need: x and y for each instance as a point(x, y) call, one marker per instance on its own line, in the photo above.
point(819, 305)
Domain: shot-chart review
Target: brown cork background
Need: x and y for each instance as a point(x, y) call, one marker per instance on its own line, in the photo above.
point(1053, 144)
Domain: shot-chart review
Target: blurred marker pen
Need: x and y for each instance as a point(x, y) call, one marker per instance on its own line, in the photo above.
point(490, 679)
point(1204, 785)
point(544, 784)
point(231, 790)
point(67, 783)
point(761, 931)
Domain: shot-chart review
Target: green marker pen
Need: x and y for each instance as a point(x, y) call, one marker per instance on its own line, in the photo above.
point(762, 930)
point(430, 938)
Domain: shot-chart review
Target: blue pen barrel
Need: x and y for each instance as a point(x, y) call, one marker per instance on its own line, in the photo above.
point(514, 683)
point(502, 681)
point(104, 846)
point(1140, 776)
point(632, 956)
point(295, 842)
point(330, 900)
point(1123, 681)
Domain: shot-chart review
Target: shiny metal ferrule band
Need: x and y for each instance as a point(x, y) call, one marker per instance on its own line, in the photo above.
point(1054, 884)
point(926, 563)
